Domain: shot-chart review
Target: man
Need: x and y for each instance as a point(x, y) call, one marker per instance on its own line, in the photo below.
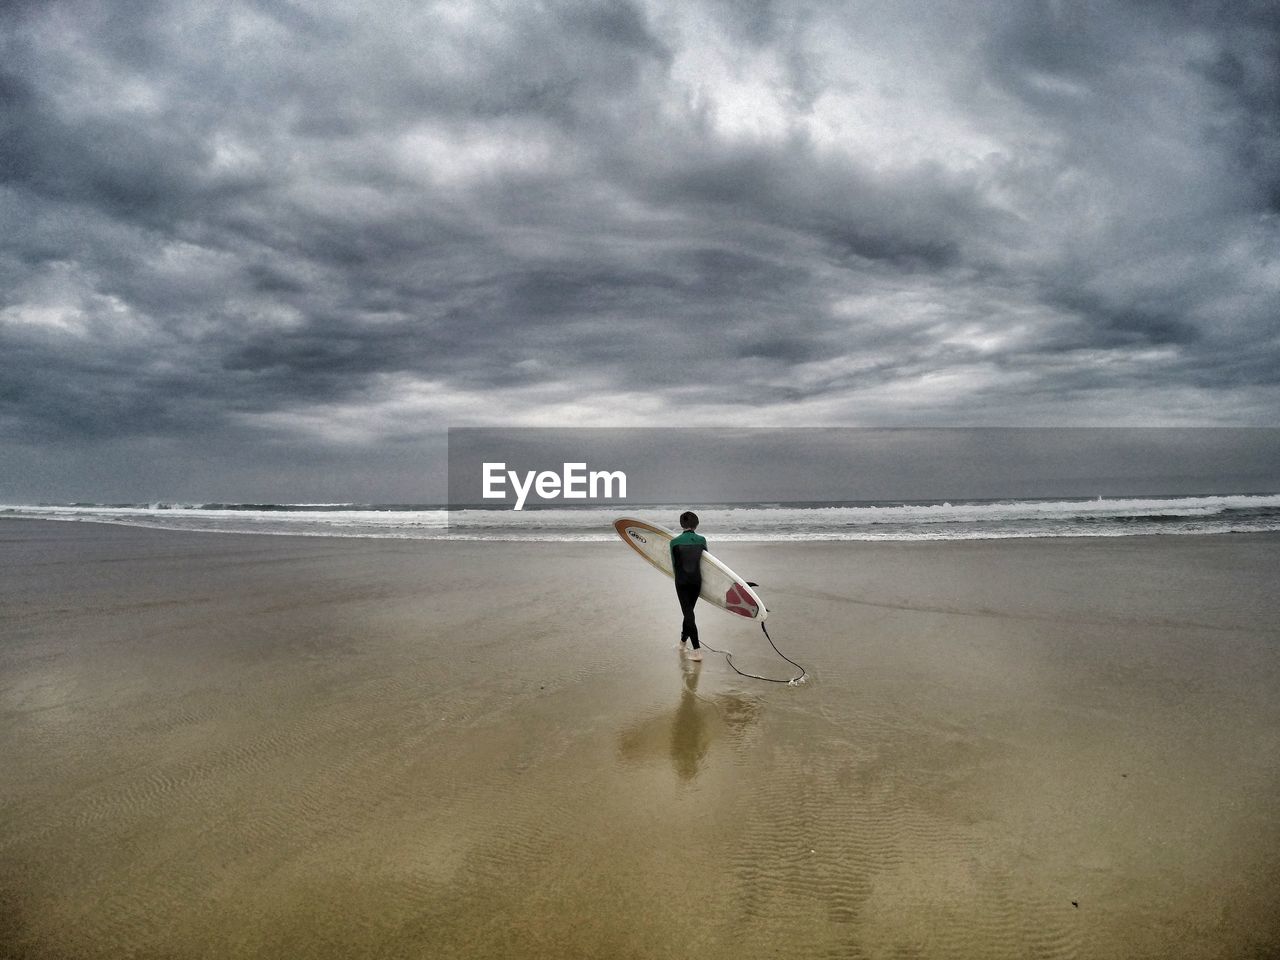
point(686, 566)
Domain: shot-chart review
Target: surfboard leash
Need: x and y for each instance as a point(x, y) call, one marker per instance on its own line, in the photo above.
point(793, 681)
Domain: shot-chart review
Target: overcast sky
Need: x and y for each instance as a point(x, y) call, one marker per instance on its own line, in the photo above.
point(272, 249)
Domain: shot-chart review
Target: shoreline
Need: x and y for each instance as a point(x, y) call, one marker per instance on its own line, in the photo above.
point(1229, 535)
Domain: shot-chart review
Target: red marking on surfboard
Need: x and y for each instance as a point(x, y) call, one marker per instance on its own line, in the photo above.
point(738, 601)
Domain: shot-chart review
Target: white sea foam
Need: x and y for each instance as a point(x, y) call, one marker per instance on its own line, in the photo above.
point(961, 520)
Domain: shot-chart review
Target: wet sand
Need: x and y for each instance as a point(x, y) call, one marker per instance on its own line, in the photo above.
point(235, 746)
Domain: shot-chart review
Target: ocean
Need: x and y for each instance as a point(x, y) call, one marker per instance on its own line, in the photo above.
point(762, 522)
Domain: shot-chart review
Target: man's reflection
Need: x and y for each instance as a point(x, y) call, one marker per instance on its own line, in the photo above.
point(690, 736)
point(686, 734)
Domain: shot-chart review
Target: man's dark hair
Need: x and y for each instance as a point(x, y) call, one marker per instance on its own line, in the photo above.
point(689, 520)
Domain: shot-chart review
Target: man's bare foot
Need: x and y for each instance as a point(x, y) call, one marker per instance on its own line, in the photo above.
point(695, 655)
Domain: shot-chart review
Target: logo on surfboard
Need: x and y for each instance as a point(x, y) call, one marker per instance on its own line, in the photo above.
point(635, 536)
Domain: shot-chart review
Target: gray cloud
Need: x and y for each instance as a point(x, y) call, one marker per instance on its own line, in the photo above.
point(312, 226)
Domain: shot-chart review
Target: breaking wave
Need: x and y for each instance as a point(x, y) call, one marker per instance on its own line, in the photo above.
point(879, 520)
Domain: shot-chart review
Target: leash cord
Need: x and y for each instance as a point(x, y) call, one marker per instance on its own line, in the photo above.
point(793, 681)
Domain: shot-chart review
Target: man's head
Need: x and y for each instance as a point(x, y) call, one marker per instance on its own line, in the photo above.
point(688, 520)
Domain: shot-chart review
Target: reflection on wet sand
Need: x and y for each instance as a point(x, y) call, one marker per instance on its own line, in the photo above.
point(686, 734)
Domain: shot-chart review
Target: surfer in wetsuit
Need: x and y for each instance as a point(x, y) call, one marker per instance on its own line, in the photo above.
point(686, 566)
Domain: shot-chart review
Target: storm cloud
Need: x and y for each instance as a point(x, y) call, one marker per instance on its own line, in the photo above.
point(272, 227)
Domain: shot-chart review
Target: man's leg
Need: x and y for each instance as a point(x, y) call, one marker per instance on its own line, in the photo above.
point(688, 594)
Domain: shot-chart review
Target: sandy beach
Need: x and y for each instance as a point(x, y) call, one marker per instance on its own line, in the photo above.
point(219, 745)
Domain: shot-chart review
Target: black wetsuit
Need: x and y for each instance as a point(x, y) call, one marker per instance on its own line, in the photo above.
point(686, 565)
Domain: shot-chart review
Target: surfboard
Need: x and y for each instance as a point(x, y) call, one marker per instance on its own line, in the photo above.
point(720, 585)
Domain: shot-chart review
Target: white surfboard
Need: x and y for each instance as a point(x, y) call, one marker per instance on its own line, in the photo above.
point(720, 585)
